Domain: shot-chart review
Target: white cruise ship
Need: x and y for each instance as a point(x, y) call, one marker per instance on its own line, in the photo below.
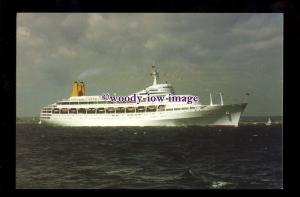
point(173, 110)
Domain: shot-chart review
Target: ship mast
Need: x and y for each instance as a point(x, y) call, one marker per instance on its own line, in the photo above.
point(155, 75)
point(210, 98)
point(221, 99)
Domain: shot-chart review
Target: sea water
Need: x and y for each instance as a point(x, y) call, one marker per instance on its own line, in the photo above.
point(249, 156)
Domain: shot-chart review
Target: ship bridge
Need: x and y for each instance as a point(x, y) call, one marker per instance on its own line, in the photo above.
point(159, 89)
point(156, 88)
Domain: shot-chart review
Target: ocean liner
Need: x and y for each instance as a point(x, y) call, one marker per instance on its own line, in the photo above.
point(82, 110)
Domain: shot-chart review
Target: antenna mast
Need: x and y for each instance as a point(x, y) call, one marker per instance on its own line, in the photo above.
point(211, 102)
point(221, 98)
point(155, 74)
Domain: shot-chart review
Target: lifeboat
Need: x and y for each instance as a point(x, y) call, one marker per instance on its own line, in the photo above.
point(100, 110)
point(64, 110)
point(151, 108)
point(81, 110)
point(72, 111)
point(130, 109)
point(120, 110)
point(110, 110)
point(161, 108)
point(55, 111)
point(141, 109)
point(91, 110)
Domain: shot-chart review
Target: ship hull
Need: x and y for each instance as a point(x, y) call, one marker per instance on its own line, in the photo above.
point(217, 115)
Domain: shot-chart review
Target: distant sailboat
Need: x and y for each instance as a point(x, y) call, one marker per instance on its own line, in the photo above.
point(269, 122)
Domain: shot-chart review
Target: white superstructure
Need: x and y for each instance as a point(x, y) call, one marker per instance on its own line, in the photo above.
point(81, 110)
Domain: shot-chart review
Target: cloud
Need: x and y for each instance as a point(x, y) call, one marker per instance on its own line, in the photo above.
point(23, 32)
point(264, 44)
point(90, 72)
point(67, 52)
point(95, 19)
point(195, 52)
point(25, 37)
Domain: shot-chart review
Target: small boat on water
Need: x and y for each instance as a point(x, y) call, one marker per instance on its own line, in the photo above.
point(269, 122)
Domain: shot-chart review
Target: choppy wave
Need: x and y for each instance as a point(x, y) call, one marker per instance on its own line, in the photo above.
point(249, 156)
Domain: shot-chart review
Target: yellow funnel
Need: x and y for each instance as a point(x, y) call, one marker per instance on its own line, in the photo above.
point(75, 89)
point(81, 89)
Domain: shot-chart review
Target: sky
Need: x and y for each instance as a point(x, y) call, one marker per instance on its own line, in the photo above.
point(197, 53)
